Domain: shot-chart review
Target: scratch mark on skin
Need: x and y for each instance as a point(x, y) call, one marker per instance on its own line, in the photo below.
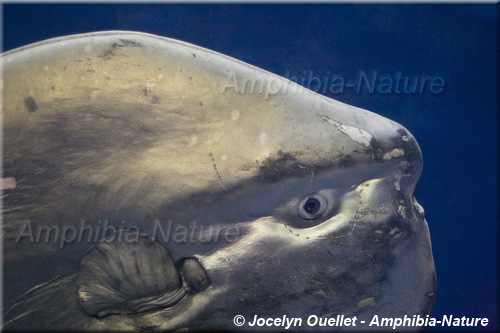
point(375, 263)
point(131, 64)
point(219, 178)
point(314, 168)
point(18, 138)
point(206, 60)
point(29, 292)
point(218, 174)
point(94, 59)
point(24, 314)
point(204, 111)
point(354, 219)
point(287, 228)
point(190, 78)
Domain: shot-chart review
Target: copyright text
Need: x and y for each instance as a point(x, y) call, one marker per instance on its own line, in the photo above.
point(345, 321)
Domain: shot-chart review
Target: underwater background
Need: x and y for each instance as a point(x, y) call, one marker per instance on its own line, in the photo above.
point(327, 46)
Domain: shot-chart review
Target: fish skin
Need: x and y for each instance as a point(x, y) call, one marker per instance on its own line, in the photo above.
point(131, 128)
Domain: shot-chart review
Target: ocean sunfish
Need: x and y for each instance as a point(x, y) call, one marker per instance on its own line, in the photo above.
point(152, 184)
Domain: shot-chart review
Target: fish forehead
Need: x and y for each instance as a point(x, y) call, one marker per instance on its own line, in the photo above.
point(193, 101)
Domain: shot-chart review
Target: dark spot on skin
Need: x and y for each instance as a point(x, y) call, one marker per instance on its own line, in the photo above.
point(248, 167)
point(286, 165)
point(147, 130)
point(108, 54)
point(282, 165)
point(123, 43)
point(346, 161)
point(129, 42)
point(30, 104)
point(116, 282)
point(378, 151)
point(402, 132)
point(155, 100)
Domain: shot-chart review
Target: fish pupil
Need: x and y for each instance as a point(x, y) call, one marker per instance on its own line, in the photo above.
point(312, 206)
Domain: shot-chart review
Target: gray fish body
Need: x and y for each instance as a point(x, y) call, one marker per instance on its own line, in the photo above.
point(287, 202)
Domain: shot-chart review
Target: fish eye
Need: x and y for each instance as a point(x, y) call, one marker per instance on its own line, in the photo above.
point(312, 207)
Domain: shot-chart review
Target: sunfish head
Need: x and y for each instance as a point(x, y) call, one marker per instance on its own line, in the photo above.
point(262, 197)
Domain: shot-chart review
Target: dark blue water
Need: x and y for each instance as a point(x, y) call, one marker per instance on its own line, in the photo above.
point(456, 127)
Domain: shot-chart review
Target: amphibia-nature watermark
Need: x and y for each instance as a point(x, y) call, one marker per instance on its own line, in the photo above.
point(371, 82)
point(102, 230)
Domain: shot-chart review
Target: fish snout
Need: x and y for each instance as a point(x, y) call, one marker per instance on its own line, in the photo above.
point(400, 148)
point(360, 137)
